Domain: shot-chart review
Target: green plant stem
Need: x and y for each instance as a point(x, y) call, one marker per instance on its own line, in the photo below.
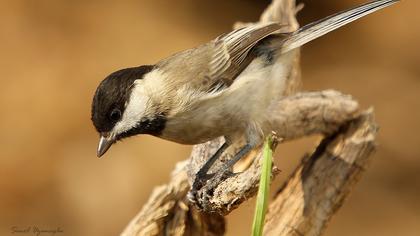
point(264, 189)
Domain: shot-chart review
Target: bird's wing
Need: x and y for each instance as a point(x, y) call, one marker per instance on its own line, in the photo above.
point(230, 53)
point(215, 65)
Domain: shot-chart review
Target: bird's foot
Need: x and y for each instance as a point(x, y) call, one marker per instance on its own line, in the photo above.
point(204, 186)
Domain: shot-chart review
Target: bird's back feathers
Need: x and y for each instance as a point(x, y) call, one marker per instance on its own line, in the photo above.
point(216, 65)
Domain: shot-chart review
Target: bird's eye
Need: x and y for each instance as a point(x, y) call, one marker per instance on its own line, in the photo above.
point(115, 115)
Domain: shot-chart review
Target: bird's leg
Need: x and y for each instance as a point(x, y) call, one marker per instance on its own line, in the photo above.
point(202, 175)
point(242, 152)
point(201, 191)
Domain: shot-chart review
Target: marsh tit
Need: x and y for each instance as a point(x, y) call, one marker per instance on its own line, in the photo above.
point(226, 87)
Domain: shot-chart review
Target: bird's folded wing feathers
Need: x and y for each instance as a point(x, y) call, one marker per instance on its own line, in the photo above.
point(230, 51)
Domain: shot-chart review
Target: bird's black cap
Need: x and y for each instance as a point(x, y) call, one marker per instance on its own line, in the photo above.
point(111, 96)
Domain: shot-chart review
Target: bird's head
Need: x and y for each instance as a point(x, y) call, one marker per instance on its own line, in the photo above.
point(122, 108)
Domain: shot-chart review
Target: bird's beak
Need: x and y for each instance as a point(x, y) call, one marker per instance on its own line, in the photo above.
point(105, 143)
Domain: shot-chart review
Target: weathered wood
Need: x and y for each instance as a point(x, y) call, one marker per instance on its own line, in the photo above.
point(320, 184)
point(168, 213)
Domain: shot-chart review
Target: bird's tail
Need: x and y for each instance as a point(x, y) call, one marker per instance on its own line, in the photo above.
point(319, 28)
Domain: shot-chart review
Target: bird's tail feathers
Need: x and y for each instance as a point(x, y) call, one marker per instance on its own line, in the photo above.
point(319, 28)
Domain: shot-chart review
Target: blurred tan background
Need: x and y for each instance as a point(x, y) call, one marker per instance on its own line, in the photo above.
point(54, 53)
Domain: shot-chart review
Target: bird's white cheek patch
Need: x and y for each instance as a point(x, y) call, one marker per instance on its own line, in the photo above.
point(138, 104)
point(134, 110)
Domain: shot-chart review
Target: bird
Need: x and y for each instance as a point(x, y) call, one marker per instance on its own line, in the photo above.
point(223, 88)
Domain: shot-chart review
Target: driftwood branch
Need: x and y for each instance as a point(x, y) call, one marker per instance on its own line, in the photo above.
point(313, 192)
point(320, 184)
point(168, 212)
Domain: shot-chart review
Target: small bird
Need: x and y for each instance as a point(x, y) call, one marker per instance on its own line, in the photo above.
point(226, 87)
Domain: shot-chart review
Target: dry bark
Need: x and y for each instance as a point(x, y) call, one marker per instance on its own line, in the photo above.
point(168, 213)
point(308, 199)
point(320, 184)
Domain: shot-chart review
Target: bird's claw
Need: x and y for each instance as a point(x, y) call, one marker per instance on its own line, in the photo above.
point(203, 189)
